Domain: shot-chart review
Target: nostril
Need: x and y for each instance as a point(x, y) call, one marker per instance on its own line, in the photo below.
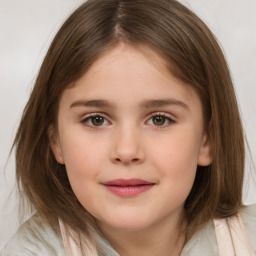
point(126, 160)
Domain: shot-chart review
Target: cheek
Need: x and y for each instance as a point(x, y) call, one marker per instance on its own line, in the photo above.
point(176, 160)
point(177, 150)
point(83, 160)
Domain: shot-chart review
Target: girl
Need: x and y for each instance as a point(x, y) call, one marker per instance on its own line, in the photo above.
point(131, 142)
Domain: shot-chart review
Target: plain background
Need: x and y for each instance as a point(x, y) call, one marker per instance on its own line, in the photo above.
point(26, 30)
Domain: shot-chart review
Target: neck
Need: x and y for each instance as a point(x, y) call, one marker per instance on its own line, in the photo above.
point(162, 238)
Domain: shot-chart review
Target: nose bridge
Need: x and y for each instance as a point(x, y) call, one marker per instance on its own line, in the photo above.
point(127, 146)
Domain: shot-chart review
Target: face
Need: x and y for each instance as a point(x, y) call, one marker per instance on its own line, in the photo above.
point(131, 137)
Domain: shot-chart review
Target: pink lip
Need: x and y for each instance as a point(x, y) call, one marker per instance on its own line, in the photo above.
point(128, 187)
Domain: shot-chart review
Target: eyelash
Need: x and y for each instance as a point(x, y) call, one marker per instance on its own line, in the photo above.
point(159, 114)
point(86, 120)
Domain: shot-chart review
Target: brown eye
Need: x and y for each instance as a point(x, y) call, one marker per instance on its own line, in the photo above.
point(97, 120)
point(159, 120)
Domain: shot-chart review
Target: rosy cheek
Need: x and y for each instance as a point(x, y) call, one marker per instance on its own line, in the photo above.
point(84, 161)
point(176, 155)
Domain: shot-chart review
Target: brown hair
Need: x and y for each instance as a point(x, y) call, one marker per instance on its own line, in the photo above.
point(192, 55)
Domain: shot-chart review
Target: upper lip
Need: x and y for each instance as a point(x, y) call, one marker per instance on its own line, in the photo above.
point(127, 182)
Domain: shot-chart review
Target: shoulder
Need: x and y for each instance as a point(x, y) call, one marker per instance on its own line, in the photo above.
point(204, 241)
point(34, 237)
point(248, 214)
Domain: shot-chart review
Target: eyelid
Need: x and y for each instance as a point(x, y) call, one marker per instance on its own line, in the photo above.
point(88, 116)
point(162, 114)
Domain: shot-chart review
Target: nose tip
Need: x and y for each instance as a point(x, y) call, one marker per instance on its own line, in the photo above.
point(127, 149)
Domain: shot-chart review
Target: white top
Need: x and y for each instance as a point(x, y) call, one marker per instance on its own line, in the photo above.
point(225, 237)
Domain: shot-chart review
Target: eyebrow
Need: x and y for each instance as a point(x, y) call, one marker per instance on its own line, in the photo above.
point(93, 103)
point(163, 102)
point(147, 104)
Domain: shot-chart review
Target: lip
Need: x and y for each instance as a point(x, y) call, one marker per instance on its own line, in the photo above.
point(127, 182)
point(128, 187)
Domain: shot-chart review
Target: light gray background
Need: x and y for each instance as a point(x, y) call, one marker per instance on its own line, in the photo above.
point(26, 30)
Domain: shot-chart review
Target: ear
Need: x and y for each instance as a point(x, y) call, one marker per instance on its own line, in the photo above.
point(205, 153)
point(55, 145)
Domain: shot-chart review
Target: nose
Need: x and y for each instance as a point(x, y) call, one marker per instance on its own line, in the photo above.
point(127, 147)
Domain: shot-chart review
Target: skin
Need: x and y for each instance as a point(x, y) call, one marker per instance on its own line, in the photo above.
point(129, 143)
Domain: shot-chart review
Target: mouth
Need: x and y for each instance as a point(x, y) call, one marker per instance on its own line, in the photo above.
point(128, 187)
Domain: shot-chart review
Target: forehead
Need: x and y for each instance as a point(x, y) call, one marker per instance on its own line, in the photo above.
point(125, 55)
point(127, 75)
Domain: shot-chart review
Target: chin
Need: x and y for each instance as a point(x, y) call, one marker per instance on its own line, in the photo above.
point(128, 221)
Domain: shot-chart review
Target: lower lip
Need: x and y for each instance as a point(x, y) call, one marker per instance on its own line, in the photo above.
point(129, 191)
